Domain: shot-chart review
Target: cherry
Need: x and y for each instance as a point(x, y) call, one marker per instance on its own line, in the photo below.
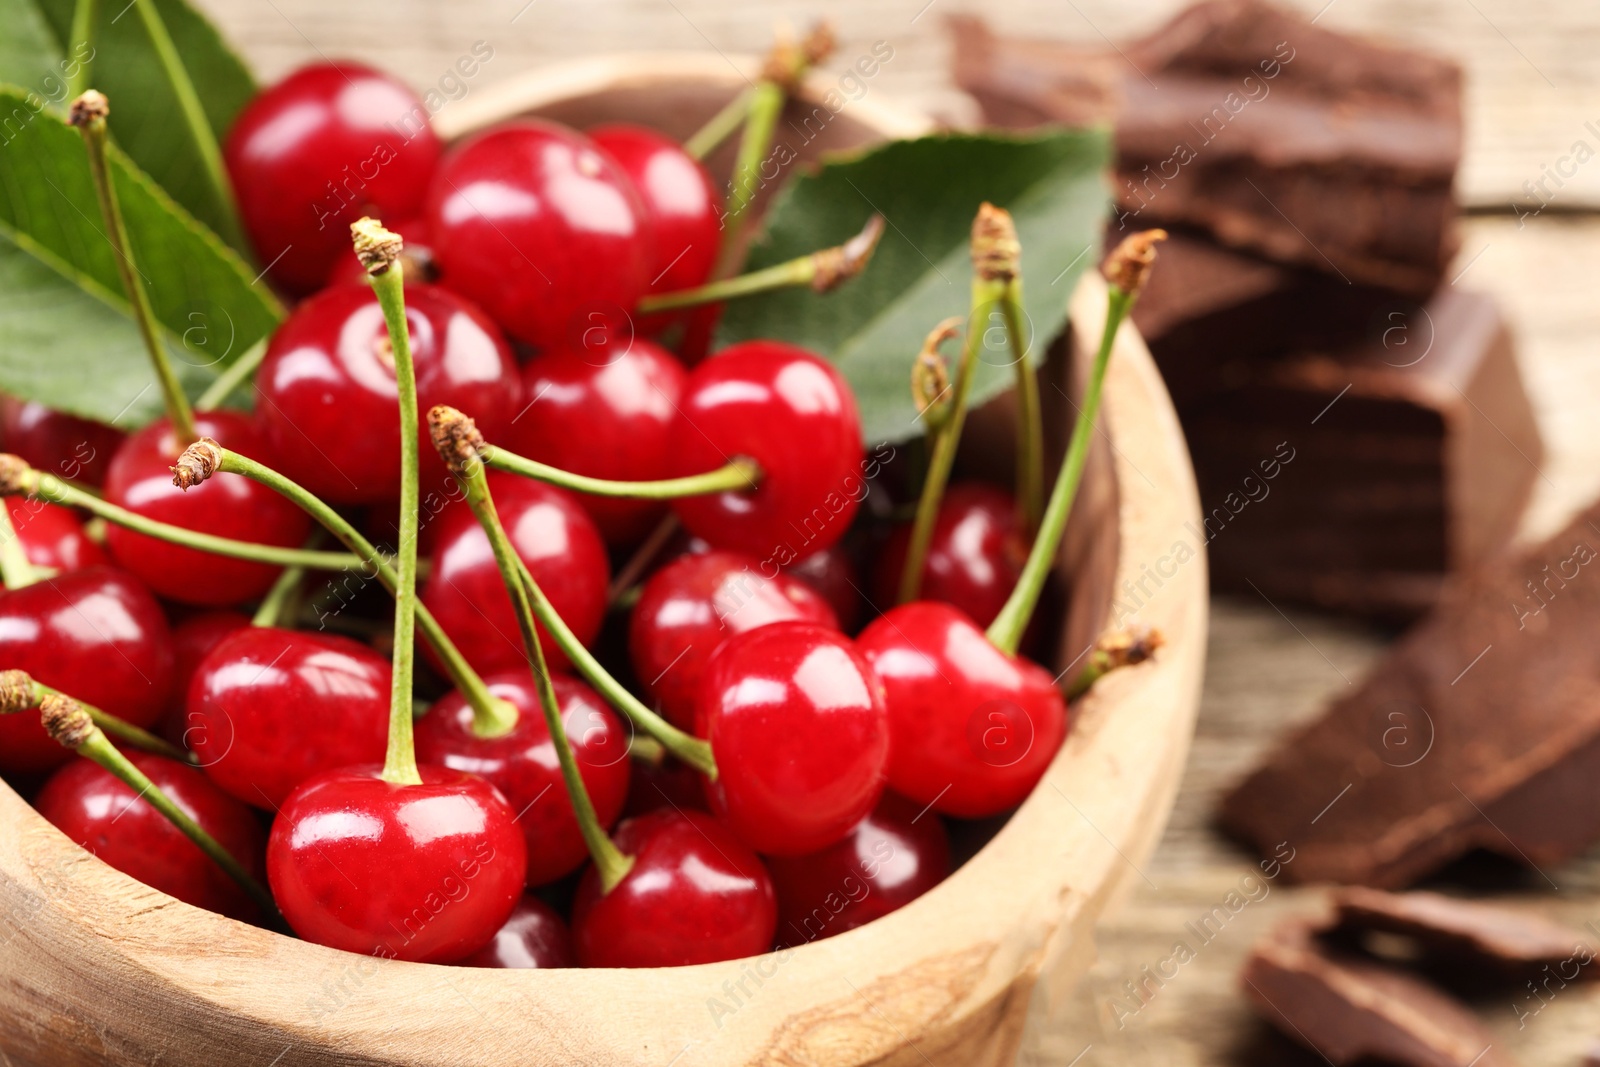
point(226, 505)
point(103, 815)
point(892, 857)
point(563, 552)
point(313, 153)
point(668, 783)
point(192, 641)
point(975, 556)
point(66, 446)
point(534, 937)
point(690, 606)
point(97, 633)
point(606, 412)
point(417, 255)
point(52, 536)
point(427, 873)
point(974, 729)
point(683, 212)
point(831, 573)
point(800, 735)
point(792, 413)
point(523, 764)
point(326, 390)
point(695, 894)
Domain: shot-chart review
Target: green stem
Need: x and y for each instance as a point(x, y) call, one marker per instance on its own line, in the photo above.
point(85, 17)
point(236, 374)
point(1006, 630)
point(766, 104)
point(194, 117)
point(738, 475)
point(279, 597)
point(1030, 422)
point(720, 127)
point(15, 570)
point(118, 728)
point(93, 128)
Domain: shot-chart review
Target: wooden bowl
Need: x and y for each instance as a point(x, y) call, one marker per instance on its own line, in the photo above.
point(101, 969)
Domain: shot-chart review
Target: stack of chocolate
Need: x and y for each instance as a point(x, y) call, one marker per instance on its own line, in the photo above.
point(1302, 312)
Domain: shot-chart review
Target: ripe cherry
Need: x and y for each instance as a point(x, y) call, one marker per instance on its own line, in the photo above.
point(605, 411)
point(974, 558)
point(326, 390)
point(534, 937)
point(799, 731)
point(689, 607)
point(695, 894)
point(667, 783)
point(51, 535)
point(831, 573)
point(555, 539)
point(315, 152)
point(193, 640)
point(270, 708)
point(792, 413)
point(103, 815)
point(227, 505)
point(427, 873)
point(97, 633)
point(66, 446)
point(537, 225)
point(523, 764)
point(893, 856)
point(417, 256)
point(974, 729)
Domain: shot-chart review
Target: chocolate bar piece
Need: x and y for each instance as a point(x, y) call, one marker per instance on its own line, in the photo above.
point(1271, 133)
point(1467, 931)
point(1349, 1009)
point(1479, 729)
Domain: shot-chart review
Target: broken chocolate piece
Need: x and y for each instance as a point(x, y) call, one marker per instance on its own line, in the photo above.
point(1507, 940)
point(1349, 1009)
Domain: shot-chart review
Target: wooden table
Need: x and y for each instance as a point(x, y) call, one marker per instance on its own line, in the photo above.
point(1533, 90)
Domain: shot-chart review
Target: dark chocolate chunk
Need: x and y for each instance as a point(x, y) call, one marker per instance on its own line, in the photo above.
point(1506, 940)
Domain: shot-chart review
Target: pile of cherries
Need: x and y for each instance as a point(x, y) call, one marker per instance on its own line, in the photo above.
point(824, 758)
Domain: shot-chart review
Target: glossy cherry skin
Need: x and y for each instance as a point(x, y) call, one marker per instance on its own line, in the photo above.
point(326, 395)
point(270, 708)
point(97, 634)
point(104, 816)
point(831, 574)
point(683, 210)
point(52, 536)
point(800, 735)
point(973, 728)
point(537, 225)
point(313, 153)
point(974, 557)
point(792, 413)
point(193, 640)
point(427, 873)
point(535, 936)
point(892, 857)
point(78, 450)
point(523, 764)
point(605, 411)
point(226, 505)
point(696, 894)
point(562, 549)
point(669, 783)
point(690, 606)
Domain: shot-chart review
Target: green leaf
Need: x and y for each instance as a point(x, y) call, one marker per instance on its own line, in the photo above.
point(83, 354)
point(928, 190)
point(30, 55)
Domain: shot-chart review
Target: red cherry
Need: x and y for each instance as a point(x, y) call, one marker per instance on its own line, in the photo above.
point(523, 764)
point(104, 816)
point(78, 450)
point(832, 575)
point(97, 634)
point(606, 412)
point(418, 255)
point(799, 731)
point(227, 505)
point(682, 208)
point(426, 873)
point(326, 390)
point(689, 607)
point(315, 152)
point(534, 937)
point(563, 552)
point(695, 894)
point(535, 223)
point(667, 784)
point(52, 536)
point(891, 858)
point(974, 729)
point(792, 413)
point(974, 558)
point(193, 640)
point(270, 708)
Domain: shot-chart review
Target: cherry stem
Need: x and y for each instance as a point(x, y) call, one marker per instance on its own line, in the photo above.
point(278, 599)
point(1030, 421)
point(719, 127)
point(19, 692)
point(766, 104)
point(1122, 648)
point(237, 373)
point(628, 577)
point(822, 271)
point(15, 570)
point(89, 113)
point(610, 862)
point(738, 475)
point(85, 17)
